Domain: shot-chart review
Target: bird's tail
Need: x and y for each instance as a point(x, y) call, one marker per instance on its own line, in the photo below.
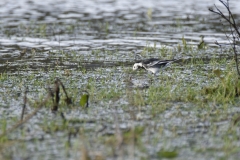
point(177, 60)
point(173, 61)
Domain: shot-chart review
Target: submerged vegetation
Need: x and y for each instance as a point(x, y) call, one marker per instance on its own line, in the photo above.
point(193, 85)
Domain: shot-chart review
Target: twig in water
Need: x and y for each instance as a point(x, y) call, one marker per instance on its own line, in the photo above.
point(118, 135)
point(24, 103)
point(68, 99)
point(50, 92)
point(29, 116)
point(57, 97)
point(69, 138)
point(234, 32)
point(63, 117)
point(236, 120)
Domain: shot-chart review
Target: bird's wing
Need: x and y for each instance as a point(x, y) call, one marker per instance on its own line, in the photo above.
point(153, 61)
point(164, 62)
point(150, 62)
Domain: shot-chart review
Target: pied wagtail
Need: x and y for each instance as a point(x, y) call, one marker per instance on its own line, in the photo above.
point(153, 64)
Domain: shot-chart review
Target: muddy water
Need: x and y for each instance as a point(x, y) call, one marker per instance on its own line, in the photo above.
point(86, 26)
point(43, 39)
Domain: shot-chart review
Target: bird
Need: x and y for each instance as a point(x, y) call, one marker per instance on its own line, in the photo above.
point(153, 64)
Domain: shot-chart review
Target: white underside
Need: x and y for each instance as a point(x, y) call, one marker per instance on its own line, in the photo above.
point(153, 70)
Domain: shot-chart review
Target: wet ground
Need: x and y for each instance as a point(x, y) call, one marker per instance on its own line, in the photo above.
point(89, 45)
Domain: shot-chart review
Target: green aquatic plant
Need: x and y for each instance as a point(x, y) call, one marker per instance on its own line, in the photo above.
point(226, 89)
point(42, 30)
point(202, 44)
point(149, 14)
point(167, 154)
point(84, 100)
point(178, 23)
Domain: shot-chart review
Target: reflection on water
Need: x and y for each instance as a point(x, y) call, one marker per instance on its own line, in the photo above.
point(56, 37)
point(103, 25)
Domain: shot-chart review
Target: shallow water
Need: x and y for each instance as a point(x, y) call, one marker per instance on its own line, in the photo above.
point(90, 43)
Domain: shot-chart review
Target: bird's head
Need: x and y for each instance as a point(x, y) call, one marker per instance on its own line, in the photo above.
point(137, 65)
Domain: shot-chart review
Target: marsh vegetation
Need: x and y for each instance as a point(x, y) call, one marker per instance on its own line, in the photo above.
point(68, 90)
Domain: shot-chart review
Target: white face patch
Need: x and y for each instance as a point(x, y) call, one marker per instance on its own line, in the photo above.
point(136, 66)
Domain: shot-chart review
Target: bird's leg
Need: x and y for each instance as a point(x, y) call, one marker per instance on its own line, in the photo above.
point(152, 76)
point(161, 71)
point(151, 80)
